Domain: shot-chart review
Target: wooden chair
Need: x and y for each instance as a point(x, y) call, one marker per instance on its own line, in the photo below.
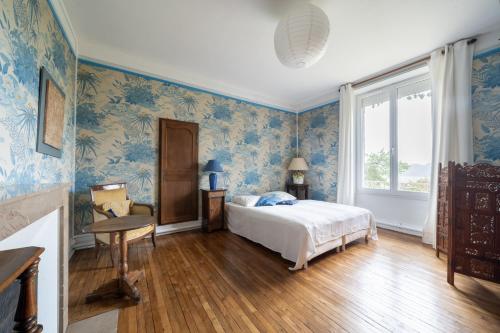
point(118, 192)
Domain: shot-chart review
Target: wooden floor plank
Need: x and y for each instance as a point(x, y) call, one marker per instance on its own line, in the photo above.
point(220, 282)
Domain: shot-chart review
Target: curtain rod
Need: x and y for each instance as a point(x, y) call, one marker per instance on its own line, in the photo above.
point(400, 69)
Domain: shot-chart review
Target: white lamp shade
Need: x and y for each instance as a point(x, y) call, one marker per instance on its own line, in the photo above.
point(301, 37)
point(298, 164)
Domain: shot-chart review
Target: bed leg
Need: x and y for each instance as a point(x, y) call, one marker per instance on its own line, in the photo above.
point(338, 249)
point(366, 239)
point(343, 243)
point(305, 265)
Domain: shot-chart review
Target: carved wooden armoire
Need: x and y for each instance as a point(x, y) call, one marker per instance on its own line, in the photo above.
point(469, 209)
point(442, 211)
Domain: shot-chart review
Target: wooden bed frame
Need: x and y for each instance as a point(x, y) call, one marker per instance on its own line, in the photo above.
point(338, 244)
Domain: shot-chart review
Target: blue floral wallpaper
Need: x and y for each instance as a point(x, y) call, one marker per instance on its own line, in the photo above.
point(30, 37)
point(486, 106)
point(117, 135)
point(318, 139)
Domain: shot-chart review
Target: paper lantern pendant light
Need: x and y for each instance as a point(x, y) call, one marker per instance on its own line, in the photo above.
point(301, 37)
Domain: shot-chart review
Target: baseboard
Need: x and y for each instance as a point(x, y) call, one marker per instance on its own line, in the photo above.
point(71, 248)
point(86, 241)
point(83, 241)
point(398, 228)
point(177, 227)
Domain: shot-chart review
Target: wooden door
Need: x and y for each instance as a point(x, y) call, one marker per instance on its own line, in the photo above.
point(178, 200)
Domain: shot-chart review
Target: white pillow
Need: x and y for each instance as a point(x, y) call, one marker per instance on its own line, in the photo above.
point(246, 200)
point(283, 196)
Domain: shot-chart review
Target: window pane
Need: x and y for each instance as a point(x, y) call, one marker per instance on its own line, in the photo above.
point(377, 158)
point(414, 137)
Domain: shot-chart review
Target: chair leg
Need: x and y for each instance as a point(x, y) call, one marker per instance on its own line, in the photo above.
point(153, 238)
point(111, 254)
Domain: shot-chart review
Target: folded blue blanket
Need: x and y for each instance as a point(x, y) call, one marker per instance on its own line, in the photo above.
point(275, 198)
point(268, 201)
point(288, 202)
point(273, 201)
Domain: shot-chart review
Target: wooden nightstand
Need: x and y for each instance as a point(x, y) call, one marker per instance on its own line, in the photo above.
point(212, 209)
point(301, 191)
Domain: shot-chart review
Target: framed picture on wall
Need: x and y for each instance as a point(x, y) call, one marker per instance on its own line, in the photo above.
point(50, 116)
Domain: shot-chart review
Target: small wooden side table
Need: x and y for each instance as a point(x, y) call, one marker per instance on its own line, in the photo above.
point(212, 209)
point(124, 285)
point(301, 191)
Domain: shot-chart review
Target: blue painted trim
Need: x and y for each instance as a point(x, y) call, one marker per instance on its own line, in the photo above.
point(487, 52)
point(319, 107)
point(83, 60)
point(58, 21)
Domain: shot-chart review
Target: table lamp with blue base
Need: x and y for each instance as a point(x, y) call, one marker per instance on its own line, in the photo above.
point(213, 166)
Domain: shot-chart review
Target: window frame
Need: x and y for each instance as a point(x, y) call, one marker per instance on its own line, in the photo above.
point(392, 91)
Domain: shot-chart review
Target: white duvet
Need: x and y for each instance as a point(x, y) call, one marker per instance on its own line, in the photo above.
point(297, 231)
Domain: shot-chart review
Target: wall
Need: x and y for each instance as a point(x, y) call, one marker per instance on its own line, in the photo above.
point(486, 106)
point(43, 233)
point(117, 135)
point(318, 128)
point(318, 134)
point(30, 37)
point(318, 140)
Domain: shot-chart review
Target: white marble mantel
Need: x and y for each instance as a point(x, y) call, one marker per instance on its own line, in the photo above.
point(22, 205)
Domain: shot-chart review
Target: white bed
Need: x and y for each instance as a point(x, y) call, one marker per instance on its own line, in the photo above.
point(302, 231)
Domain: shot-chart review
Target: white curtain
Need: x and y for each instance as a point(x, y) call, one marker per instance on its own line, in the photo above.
point(346, 166)
point(451, 73)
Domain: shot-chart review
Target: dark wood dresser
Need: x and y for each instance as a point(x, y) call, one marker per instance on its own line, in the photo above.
point(19, 266)
point(301, 191)
point(212, 209)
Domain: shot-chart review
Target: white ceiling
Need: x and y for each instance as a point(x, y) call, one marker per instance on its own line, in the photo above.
point(226, 46)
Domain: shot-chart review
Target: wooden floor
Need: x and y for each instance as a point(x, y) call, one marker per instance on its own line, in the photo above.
point(220, 282)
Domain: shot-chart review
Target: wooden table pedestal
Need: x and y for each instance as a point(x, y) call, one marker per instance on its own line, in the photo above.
point(124, 285)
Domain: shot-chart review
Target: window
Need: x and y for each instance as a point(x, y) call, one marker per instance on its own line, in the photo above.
point(395, 138)
point(377, 142)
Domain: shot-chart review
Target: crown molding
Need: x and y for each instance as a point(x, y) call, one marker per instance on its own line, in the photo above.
point(62, 17)
point(115, 59)
point(323, 98)
point(130, 63)
point(487, 42)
